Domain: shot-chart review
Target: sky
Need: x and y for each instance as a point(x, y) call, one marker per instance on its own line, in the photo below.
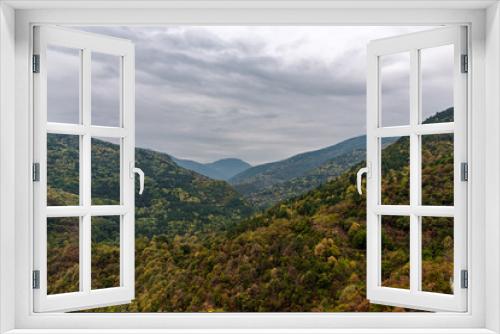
point(256, 93)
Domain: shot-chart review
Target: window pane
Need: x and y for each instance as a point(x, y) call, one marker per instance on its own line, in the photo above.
point(63, 84)
point(105, 252)
point(395, 89)
point(105, 171)
point(437, 254)
point(63, 169)
point(63, 255)
point(436, 66)
point(437, 170)
point(396, 251)
point(106, 89)
point(395, 171)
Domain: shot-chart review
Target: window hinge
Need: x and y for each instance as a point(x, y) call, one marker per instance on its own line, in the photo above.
point(464, 279)
point(36, 172)
point(36, 64)
point(464, 171)
point(465, 63)
point(36, 279)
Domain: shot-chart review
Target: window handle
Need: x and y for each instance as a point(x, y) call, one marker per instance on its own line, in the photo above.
point(359, 175)
point(141, 179)
point(135, 170)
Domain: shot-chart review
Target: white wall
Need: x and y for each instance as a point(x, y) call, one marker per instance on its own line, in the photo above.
point(492, 210)
point(6, 167)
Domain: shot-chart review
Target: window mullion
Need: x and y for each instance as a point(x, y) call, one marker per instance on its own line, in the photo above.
point(415, 258)
point(86, 181)
point(422, 210)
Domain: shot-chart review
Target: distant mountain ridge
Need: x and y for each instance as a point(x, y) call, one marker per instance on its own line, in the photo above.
point(222, 169)
point(297, 165)
point(314, 178)
point(270, 183)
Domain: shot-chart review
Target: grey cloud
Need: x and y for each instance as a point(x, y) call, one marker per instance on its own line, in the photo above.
point(62, 85)
point(242, 88)
point(203, 97)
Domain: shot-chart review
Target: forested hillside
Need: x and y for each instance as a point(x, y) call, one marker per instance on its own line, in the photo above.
point(294, 166)
point(304, 254)
point(188, 201)
point(175, 202)
point(265, 185)
point(266, 196)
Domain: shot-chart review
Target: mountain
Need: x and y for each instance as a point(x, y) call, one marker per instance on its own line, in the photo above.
point(175, 200)
point(306, 254)
point(229, 167)
point(297, 165)
point(268, 184)
point(222, 169)
point(267, 196)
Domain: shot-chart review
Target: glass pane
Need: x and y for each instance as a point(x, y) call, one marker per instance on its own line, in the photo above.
point(63, 170)
point(395, 171)
point(396, 251)
point(106, 89)
point(395, 89)
point(63, 84)
point(105, 171)
point(437, 254)
point(436, 66)
point(105, 252)
point(63, 255)
point(437, 170)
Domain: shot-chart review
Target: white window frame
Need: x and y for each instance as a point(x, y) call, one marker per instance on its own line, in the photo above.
point(483, 18)
point(412, 44)
point(86, 44)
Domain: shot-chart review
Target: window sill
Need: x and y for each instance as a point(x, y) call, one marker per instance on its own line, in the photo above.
point(254, 331)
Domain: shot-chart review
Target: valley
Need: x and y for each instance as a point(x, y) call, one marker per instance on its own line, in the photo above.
point(289, 236)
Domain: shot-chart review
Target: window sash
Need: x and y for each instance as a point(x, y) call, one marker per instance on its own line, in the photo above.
point(414, 297)
point(85, 297)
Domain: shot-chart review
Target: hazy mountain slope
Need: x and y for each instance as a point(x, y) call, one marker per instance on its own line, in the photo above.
point(270, 195)
point(229, 167)
point(284, 170)
point(265, 185)
point(197, 167)
point(222, 169)
point(262, 191)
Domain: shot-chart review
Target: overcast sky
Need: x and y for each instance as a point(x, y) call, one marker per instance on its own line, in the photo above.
point(256, 93)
